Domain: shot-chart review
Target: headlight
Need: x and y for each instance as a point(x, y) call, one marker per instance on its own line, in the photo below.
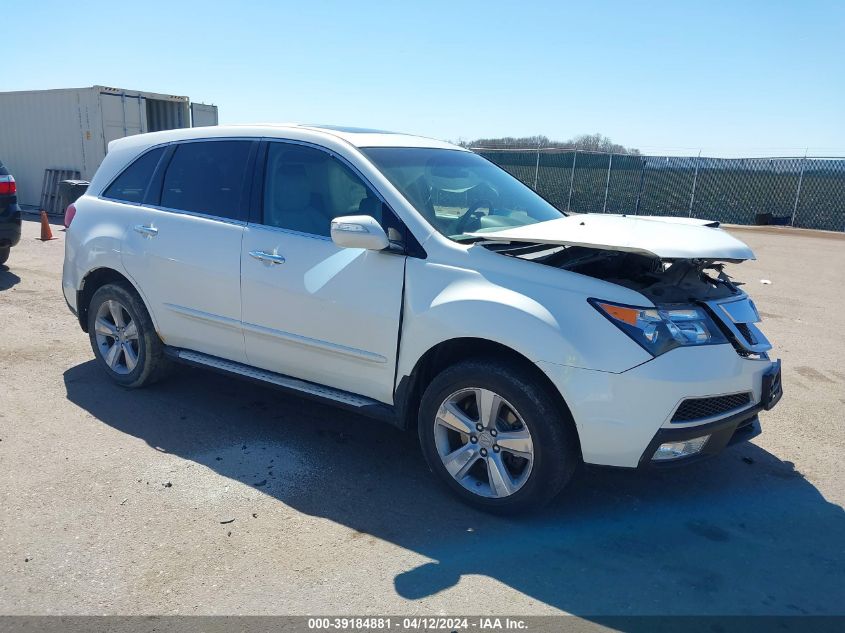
point(663, 328)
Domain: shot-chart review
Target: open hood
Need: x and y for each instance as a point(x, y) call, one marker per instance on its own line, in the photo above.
point(663, 237)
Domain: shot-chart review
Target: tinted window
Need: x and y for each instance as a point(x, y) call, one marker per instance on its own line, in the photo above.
point(305, 188)
point(207, 177)
point(131, 184)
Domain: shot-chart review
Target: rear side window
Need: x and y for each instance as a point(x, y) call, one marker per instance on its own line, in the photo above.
point(207, 177)
point(132, 183)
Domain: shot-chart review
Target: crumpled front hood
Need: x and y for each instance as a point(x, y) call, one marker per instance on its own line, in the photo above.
point(664, 237)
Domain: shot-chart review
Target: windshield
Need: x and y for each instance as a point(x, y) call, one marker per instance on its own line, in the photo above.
point(460, 192)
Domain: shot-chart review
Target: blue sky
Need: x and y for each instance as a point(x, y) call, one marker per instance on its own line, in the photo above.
point(730, 78)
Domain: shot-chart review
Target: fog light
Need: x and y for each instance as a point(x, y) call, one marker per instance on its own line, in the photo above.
point(676, 450)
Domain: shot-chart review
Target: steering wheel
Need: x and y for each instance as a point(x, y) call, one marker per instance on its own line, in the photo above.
point(472, 212)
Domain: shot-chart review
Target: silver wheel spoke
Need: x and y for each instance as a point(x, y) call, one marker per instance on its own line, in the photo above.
point(489, 404)
point(459, 462)
point(453, 418)
point(116, 313)
point(516, 442)
point(485, 439)
point(117, 337)
point(129, 356)
point(500, 479)
point(105, 328)
point(112, 356)
point(131, 331)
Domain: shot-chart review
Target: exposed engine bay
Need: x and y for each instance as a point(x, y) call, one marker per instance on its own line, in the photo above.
point(662, 281)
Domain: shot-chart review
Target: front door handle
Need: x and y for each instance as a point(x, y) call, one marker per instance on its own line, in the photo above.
point(146, 231)
point(267, 257)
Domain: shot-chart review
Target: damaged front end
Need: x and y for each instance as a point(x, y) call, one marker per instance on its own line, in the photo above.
point(662, 281)
point(695, 301)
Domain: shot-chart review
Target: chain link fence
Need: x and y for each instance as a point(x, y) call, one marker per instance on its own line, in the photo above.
point(801, 192)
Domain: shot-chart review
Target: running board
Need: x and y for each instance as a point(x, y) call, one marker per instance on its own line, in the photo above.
point(354, 402)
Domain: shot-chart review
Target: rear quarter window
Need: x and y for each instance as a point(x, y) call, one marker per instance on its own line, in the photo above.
point(131, 184)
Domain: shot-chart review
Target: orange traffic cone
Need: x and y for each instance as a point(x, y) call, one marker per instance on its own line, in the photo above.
point(46, 233)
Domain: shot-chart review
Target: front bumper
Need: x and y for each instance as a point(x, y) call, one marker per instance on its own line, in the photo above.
point(738, 427)
point(621, 417)
point(722, 433)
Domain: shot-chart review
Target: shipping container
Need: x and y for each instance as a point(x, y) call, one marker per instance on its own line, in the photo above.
point(70, 129)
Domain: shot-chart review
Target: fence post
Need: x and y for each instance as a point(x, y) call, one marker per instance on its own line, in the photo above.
point(798, 189)
point(694, 181)
point(607, 183)
point(537, 167)
point(571, 180)
point(640, 190)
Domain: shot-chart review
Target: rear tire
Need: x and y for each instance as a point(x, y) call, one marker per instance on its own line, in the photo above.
point(123, 337)
point(512, 460)
point(4, 254)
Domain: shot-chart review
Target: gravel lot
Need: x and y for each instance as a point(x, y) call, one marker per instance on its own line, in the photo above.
point(204, 495)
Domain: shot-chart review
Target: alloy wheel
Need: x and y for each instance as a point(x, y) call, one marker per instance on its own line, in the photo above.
point(483, 442)
point(116, 334)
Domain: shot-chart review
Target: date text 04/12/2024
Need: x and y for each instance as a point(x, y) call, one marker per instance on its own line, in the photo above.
point(419, 623)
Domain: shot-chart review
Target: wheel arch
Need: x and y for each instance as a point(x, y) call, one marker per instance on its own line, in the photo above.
point(446, 353)
point(94, 280)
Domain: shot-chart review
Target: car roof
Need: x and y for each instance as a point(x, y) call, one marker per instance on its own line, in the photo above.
point(358, 137)
point(365, 137)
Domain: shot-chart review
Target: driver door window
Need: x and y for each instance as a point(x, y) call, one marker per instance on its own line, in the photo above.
point(306, 188)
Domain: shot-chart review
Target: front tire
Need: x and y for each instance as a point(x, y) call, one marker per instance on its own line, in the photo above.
point(496, 437)
point(123, 337)
point(4, 254)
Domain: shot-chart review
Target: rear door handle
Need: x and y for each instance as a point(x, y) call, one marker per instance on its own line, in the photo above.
point(267, 257)
point(146, 231)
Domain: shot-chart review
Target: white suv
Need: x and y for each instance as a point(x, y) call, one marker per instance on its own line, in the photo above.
point(413, 280)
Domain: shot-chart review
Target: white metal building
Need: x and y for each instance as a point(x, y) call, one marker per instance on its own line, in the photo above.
point(70, 129)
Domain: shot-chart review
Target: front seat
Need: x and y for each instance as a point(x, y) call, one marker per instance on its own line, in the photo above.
point(291, 202)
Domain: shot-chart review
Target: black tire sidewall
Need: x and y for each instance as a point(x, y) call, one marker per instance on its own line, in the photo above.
point(4, 254)
point(130, 301)
point(555, 455)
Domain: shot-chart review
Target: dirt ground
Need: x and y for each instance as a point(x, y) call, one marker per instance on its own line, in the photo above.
point(204, 495)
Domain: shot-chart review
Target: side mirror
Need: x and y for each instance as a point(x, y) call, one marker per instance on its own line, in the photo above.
point(359, 231)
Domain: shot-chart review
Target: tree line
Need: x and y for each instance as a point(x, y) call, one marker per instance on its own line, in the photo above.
point(588, 142)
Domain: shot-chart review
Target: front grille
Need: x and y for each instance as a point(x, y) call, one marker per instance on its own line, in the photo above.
point(700, 408)
point(736, 319)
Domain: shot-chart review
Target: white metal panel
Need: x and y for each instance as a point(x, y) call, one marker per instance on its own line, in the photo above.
point(663, 237)
point(203, 115)
point(374, 138)
point(64, 129)
point(123, 115)
point(190, 272)
point(42, 130)
point(328, 314)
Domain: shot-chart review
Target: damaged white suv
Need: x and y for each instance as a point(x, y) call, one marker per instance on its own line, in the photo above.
point(413, 280)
